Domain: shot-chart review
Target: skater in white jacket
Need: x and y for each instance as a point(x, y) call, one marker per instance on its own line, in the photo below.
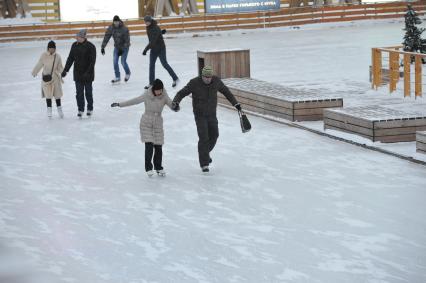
point(151, 124)
point(51, 83)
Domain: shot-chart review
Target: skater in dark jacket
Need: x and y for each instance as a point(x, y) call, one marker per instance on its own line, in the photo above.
point(121, 36)
point(158, 50)
point(204, 103)
point(83, 56)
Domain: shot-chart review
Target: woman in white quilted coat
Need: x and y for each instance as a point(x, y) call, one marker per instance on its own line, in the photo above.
point(151, 124)
point(51, 63)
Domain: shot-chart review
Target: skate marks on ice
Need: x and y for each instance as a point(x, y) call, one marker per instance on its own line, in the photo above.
point(280, 204)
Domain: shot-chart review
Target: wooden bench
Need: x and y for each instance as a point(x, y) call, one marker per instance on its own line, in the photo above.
point(279, 101)
point(421, 142)
point(384, 123)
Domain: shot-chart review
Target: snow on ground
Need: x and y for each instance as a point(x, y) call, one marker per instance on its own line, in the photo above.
point(280, 205)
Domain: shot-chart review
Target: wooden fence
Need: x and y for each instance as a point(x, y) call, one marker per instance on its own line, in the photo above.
point(46, 10)
point(392, 74)
point(283, 17)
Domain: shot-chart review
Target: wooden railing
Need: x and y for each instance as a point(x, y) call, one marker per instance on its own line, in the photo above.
point(392, 74)
point(46, 10)
point(283, 17)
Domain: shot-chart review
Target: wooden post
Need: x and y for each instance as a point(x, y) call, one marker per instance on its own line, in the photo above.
point(393, 70)
point(407, 71)
point(418, 75)
point(150, 7)
point(175, 6)
point(141, 8)
point(59, 10)
point(373, 68)
point(10, 8)
point(377, 67)
point(3, 9)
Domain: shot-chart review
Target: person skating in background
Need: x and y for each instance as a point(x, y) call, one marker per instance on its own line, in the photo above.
point(204, 103)
point(158, 50)
point(151, 124)
point(121, 36)
point(51, 83)
point(83, 56)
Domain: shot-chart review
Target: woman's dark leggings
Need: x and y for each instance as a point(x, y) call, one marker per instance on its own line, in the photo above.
point(49, 102)
point(157, 150)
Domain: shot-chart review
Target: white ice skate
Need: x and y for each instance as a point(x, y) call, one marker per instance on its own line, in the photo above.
point(60, 113)
point(115, 81)
point(89, 113)
point(161, 173)
point(150, 173)
point(127, 77)
point(205, 169)
point(49, 112)
point(80, 114)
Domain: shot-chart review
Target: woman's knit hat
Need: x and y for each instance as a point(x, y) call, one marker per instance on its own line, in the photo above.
point(51, 44)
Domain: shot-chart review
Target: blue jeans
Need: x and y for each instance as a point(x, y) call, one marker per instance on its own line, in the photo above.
point(153, 55)
point(123, 62)
point(84, 89)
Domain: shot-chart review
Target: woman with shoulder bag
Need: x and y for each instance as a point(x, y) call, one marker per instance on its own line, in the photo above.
point(51, 84)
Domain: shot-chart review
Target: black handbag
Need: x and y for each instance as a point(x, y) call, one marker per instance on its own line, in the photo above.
point(48, 78)
point(244, 121)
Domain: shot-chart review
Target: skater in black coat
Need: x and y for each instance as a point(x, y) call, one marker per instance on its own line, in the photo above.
point(83, 56)
point(158, 50)
point(204, 103)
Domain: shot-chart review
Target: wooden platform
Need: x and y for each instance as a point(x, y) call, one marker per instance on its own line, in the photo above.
point(421, 142)
point(385, 123)
point(279, 101)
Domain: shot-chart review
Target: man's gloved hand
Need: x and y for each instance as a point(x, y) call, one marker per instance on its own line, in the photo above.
point(119, 51)
point(103, 51)
point(175, 106)
point(238, 106)
point(144, 52)
point(63, 74)
point(163, 31)
point(115, 104)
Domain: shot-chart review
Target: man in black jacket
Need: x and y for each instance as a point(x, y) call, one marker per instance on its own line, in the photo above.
point(83, 56)
point(204, 103)
point(158, 50)
point(121, 36)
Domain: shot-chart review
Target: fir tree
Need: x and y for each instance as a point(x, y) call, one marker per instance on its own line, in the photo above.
point(412, 39)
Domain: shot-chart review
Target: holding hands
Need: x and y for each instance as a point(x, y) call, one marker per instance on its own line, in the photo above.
point(175, 106)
